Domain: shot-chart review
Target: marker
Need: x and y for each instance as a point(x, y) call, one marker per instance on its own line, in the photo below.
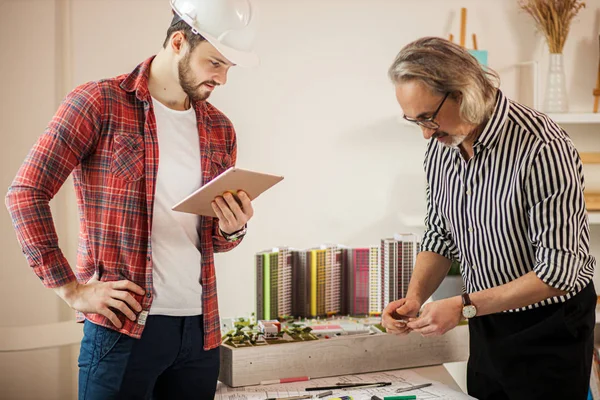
point(343, 398)
point(411, 397)
point(285, 380)
point(376, 398)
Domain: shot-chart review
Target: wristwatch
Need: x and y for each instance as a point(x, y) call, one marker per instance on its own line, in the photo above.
point(469, 310)
point(235, 236)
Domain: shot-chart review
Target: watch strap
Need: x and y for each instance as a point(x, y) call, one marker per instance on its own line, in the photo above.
point(234, 236)
point(466, 299)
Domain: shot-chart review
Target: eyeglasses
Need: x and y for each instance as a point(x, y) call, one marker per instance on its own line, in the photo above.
point(428, 123)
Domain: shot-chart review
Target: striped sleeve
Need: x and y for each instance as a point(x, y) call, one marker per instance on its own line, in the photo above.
point(557, 215)
point(436, 238)
point(66, 141)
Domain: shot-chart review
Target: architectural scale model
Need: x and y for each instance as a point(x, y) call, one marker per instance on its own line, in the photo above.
point(333, 280)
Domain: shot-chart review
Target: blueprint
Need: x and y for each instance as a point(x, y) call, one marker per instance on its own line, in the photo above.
point(399, 379)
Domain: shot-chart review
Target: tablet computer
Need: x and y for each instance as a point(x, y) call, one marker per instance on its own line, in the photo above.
point(232, 180)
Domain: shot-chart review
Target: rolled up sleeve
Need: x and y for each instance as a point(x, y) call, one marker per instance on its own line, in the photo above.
point(557, 216)
point(436, 237)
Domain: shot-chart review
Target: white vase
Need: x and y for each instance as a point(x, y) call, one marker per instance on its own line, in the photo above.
point(555, 100)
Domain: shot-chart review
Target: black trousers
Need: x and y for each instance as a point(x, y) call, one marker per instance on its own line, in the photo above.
point(545, 353)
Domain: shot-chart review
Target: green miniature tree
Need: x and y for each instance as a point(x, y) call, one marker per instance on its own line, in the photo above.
point(454, 268)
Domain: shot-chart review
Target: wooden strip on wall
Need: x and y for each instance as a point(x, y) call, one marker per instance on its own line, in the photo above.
point(590, 158)
point(592, 201)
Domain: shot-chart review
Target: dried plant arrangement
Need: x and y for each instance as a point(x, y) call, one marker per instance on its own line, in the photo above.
point(553, 18)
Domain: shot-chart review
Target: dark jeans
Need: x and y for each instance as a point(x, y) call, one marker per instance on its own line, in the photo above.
point(544, 353)
point(168, 362)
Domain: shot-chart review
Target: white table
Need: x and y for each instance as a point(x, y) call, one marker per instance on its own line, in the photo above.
point(444, 387)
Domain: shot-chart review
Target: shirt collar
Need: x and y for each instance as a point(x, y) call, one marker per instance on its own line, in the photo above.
point(137, 81)
point(495, 125)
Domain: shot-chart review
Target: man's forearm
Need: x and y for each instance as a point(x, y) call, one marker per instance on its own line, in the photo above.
point(66, 291)
point(526, 290)
point(430, 269)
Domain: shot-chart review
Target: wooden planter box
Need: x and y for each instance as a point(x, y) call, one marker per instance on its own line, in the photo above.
point(351, 354)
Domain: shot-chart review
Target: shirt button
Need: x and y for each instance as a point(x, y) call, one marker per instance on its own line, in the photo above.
point(148, 258)
point(470, 229)
point(474, 267)
point(468, 192)
point(148, 295)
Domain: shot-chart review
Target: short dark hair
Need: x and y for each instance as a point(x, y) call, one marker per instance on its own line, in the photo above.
point(178, 25)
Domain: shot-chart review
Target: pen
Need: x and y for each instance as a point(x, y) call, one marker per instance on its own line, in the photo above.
point(291, 398)
point(415, 387)
point(376, 398)
point(285, 380)
point(350, 385)
point(411, 397)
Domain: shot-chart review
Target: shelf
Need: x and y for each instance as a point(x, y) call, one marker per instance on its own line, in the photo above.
point(576, 118)
point(594, 218)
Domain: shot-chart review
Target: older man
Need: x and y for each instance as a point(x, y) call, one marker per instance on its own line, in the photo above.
point(505, 199)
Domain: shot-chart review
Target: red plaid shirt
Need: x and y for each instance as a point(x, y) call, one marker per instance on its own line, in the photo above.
point(105, 134)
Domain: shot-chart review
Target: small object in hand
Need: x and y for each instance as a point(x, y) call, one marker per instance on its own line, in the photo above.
point(399, 318)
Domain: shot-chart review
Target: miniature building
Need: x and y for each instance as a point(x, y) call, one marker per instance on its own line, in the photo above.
point(374, 282)
point(301, 279)
point(325, 265)
point(398, 256)
point(317, 281)
point(327, 331)
point(269, 328)
point(333, 283)
point(362, 265)
point(273, 283)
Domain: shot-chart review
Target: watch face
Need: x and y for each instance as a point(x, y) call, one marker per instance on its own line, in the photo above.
point(469, 311)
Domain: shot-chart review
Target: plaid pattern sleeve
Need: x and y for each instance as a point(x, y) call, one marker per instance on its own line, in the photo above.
point(69, 137)
point(221, 245)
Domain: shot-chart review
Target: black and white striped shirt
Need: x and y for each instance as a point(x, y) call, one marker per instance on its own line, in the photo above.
point(516, 206)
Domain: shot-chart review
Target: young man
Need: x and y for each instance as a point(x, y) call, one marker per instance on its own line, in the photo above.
point(136, 145)
point(505, 199)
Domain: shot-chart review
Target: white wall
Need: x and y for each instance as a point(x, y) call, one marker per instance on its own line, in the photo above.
point(30, 80)
point(319, 110)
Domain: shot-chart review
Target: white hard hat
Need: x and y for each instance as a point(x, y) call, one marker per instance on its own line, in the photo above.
point(229, 25)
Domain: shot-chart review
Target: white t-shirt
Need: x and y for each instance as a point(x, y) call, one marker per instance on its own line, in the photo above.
point(175, 241)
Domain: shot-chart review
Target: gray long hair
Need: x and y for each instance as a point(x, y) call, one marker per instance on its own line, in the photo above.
point(446, 67)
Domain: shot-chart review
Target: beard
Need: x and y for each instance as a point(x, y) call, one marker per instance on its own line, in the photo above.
point(188, 82)
point(452, 141)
